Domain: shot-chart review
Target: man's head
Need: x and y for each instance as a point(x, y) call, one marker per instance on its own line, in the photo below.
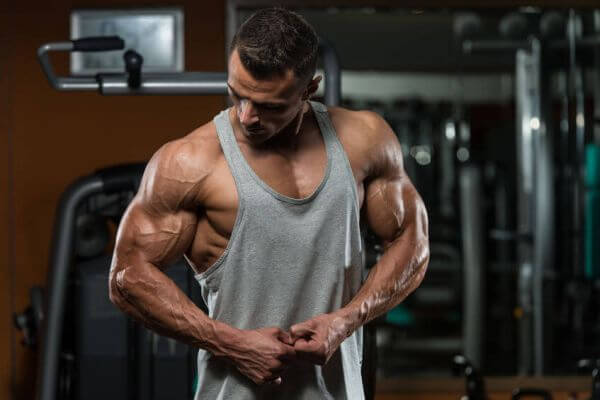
point(272, 62)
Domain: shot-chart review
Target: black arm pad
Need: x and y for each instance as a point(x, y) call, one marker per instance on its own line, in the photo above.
point(100, 43)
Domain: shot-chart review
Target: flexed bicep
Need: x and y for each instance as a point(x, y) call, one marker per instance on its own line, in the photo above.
point(160, 223)
point(392, 202)
point(393, 206)
point(159, 238)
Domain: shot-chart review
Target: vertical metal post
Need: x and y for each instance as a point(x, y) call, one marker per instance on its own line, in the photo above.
point(471, 207)
point(543, 229)
point(535, 212)
point(574, 32)
point(526, 121)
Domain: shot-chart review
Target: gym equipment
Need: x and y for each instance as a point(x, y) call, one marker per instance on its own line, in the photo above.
point(472, 230)
point(535, 179)
point(594, 367)
point(475, 387)
point(116, 179)
point(521, 393)
point(92, 235)
point(30, 320)
point(592, 212)
point(108, 347)
point(135, 82)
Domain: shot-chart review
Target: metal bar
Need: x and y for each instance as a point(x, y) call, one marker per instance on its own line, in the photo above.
point(331, 66)
point(479, 46)
point(543, 201)
point(60, 83)
point(525, 161)
point(185, 83)
point(471, 207)
point(113, 179)
point(574, 31)
point(62, 251)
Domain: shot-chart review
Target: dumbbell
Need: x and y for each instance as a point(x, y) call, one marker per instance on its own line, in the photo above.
point(594, 366)
point(475, 388)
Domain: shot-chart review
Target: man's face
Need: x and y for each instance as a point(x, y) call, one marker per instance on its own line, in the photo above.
point(264, 107)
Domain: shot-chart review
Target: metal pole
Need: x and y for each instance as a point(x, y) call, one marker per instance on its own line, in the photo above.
point(186, 83)
point(543, 217)
point(527, 121)
point(473, 265)
point(62, 251)
point(124, 177)
point(331, 66)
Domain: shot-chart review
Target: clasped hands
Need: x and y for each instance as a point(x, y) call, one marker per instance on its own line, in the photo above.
point(270, 351)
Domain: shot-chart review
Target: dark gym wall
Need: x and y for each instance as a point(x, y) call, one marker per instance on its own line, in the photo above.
point(5, 267)
point(50, 138)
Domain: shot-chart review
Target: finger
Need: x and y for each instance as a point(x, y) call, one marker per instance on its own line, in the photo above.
point(300, 330)
point(306, 346)
point(309, 351)
point(285, 337)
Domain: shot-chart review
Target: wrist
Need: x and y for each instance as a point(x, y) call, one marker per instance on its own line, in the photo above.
point(222, 338)
point(349, 318)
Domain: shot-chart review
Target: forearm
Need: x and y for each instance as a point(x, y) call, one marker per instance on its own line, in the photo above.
point(399, 271)
point(148, 295)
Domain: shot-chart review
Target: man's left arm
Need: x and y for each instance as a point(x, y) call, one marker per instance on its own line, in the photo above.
point(396, 213)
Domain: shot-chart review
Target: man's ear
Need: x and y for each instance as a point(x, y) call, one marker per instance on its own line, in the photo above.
point(312, 87)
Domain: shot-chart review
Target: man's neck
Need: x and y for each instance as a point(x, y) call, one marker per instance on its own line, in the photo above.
point(289, 138)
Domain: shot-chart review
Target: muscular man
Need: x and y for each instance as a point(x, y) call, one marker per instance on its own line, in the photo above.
point(266, 204)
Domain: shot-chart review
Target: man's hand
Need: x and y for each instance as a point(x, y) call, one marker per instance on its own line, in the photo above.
point(316, 339)
point(262, 354)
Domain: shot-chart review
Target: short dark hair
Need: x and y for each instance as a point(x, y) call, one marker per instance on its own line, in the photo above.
point(274, 40)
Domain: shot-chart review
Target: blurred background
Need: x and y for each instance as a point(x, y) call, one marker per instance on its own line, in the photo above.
point(496, 106)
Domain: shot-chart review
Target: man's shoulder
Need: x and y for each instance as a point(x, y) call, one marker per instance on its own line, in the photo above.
point(367, 139)
point(176, 171)
point(190, 154)
point(360, 125)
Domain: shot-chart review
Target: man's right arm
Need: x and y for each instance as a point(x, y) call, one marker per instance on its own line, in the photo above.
point(157, 229)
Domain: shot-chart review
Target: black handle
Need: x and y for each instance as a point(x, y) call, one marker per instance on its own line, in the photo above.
point(133, 66)
point(121, 177)
point(99, 43)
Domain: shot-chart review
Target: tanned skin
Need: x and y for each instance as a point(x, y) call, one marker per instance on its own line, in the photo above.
point(187, 204)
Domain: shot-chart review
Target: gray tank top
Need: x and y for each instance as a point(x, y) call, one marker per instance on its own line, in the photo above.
point(287, 260)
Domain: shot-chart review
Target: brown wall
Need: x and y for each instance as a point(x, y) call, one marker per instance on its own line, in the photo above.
point(50, 138)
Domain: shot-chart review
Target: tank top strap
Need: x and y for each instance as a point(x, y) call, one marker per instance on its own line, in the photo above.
point(231, 151)
point(335, 151)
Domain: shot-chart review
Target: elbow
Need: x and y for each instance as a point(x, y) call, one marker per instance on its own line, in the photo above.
point(420, 262)
point(117, 289)
point(113, 293)
point(423, 260)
